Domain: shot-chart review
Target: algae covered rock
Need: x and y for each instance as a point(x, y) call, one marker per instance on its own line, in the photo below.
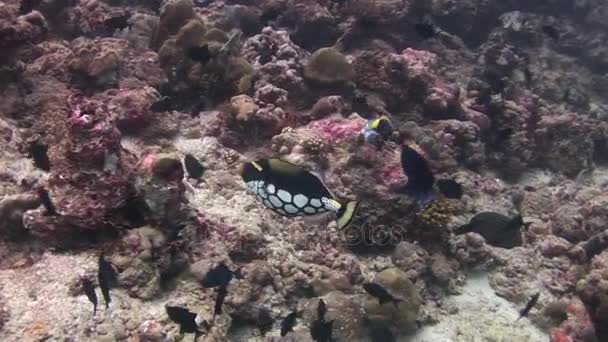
point(243, 107)
point(328, 66)
point(402, 317)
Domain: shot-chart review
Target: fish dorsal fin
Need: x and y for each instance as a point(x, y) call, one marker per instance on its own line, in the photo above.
point(284, 167)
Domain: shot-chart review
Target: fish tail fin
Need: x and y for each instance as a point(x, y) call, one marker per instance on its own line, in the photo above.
point(517, 221)
point(346, 214)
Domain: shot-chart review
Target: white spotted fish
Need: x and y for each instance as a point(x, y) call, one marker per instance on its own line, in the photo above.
point(291, 191)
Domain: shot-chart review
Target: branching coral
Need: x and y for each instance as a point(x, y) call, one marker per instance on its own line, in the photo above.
point(437, 213)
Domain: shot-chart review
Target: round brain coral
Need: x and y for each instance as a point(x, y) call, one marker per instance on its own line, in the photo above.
point(329, 66)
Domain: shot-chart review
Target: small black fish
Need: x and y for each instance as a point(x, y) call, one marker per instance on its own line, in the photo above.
point(165, 103)
point(531, 302)
point(199, 54)
point(27, 6)
point(222, 292)
point(551, 31)
point(420, 178)
point(45, 199)
point(425, 29)
point(321, 331)
point(106, 275)
point(288, 323)
point(194, 168)
point(220, 276)
point(321, 310)
point(119, 22)
point(264, 321)
point(89, 291)
point(183, 317)
point(497, 229)
point(381, 293)
point(38, 152)
point(450, 188)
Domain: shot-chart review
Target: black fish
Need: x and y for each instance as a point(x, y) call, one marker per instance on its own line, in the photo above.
point(119, 22)
point(106, 275)
point(264, 321)
point(420, 178)
point(288, 323)
point(425, 29)
point(531, 302)
point(39, 153)
point(551, 31)
point(222, 291)
point(321, 310)
point(220, 276)
point(183, 317)
point(381, 293)
point(89, 291)
point(380, 332)
point(199, 54)
point(27, 6)
point(450, 188)
point(194, 168)
point(497, 229)
point(45, 199)
point(321, 331)
point(165, 103)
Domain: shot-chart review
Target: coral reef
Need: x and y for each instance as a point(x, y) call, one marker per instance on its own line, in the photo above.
point(506, 98)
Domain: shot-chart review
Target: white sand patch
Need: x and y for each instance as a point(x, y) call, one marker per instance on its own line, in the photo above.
point(481, 316)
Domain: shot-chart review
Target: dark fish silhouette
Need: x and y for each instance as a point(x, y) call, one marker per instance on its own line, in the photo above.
point(222, 292)
point(321, 310)
point(425, 29)
point(321, 331)
point(165, 103)
point(288, 323)
point(119, 22)
point(220, 276)
point(531, 302)
point(194, 168)
point(497, 229)
point(199, 54)
point(38, 151)
point(27, 6)
point(450, 188)
point(89, 291)
point(420, 178)
point(45, 199)
point(264, 321)
point(551, 31)
point(381, 293)
point(185, 319)
point(106, 275)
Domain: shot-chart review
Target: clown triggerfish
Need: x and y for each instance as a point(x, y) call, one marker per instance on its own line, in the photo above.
point(290, 191)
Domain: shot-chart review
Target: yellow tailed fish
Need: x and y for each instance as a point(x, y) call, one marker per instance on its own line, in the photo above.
point(290, 190)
